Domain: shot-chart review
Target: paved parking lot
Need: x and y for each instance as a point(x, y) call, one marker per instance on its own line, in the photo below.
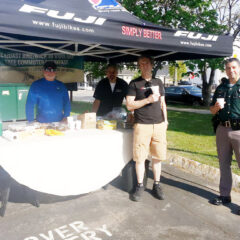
point(83, 95)
point(109, 214)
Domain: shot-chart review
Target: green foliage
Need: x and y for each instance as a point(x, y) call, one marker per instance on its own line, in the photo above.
point(202, 64)
point(137, 74)
point(96, 69)
point(181, 69)
point(194, 15)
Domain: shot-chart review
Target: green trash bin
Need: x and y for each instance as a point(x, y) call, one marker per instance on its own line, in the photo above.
point(0, 128)
point(8, 103)
point(22, 93)
point(13, 98)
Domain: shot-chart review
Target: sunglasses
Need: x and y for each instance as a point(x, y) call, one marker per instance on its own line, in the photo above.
point(148, 84)
point(50, 70)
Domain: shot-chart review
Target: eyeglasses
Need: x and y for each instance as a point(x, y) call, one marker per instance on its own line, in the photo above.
point(148, 84)
point(50, 70)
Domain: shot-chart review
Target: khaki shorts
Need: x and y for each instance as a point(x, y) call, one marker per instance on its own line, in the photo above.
point(149, 139)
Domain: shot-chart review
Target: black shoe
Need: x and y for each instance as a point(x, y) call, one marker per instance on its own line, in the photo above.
point(221, 200)
point(157, 191)
point(238, 211)
point(137, 194)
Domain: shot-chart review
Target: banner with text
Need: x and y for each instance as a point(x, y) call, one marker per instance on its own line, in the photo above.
point(17, 67)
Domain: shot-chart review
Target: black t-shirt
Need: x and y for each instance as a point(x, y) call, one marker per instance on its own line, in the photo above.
point(150, 113)
point(109, 99)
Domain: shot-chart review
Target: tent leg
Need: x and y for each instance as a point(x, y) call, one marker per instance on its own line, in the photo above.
point(5, 186)
point(4, 193)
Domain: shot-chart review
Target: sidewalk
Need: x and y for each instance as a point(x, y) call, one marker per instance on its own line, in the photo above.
point(201, 111)
point(202, 170)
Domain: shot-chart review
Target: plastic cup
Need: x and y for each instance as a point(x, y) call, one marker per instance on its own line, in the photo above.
point(155, 90)
point(221, 102)
point(70, 119)
point(78, 124)
point(156, 94)
point(71, 125)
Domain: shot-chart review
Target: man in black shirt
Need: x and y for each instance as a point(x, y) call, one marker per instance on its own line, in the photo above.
point(109, 92)
point(146, 98)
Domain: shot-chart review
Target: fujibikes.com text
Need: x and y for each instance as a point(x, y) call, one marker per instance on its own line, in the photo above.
point(73, 231)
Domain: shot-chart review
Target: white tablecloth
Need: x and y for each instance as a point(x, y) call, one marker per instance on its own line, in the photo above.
point(76, 163)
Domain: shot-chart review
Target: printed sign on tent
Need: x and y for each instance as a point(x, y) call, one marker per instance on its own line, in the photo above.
point(18, 67)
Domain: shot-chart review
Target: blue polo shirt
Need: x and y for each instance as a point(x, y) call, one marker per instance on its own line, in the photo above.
point(51, 100)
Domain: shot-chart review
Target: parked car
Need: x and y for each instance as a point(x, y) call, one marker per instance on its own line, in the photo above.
point(189, 94)
point(184, 83)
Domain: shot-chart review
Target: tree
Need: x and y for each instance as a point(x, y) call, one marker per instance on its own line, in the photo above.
point(179, 68)
point(228, 15)
point(96, 69)
point(194, 15)
point(203, 65)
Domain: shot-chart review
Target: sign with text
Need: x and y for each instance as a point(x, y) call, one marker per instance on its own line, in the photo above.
point(18, 67)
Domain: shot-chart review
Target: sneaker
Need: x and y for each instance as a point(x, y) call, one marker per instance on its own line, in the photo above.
point(221, 200)
point(157, 191)
point(137, 194)
point(238, 211)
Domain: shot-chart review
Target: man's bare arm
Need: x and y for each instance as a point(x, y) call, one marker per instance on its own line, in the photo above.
point(95, 105)
point(164, 108)
point(132, 104)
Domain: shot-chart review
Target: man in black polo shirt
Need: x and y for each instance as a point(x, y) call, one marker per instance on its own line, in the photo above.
point(146, 98)
point(109, 92)
point(228, 130)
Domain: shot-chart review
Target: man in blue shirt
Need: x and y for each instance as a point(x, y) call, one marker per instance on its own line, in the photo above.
point(50, 97)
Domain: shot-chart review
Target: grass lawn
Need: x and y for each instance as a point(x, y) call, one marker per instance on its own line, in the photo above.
point(189, 135)
point(80, 107)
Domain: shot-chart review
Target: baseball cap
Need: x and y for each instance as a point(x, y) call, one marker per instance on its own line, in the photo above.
point(50, 66)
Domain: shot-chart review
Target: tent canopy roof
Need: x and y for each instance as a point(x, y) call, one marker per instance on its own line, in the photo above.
point(99, 30)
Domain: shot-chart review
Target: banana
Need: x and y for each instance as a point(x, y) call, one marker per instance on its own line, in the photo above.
point(53, 132)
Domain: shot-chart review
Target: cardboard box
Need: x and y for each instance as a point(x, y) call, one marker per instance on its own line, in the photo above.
point(88, 120)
